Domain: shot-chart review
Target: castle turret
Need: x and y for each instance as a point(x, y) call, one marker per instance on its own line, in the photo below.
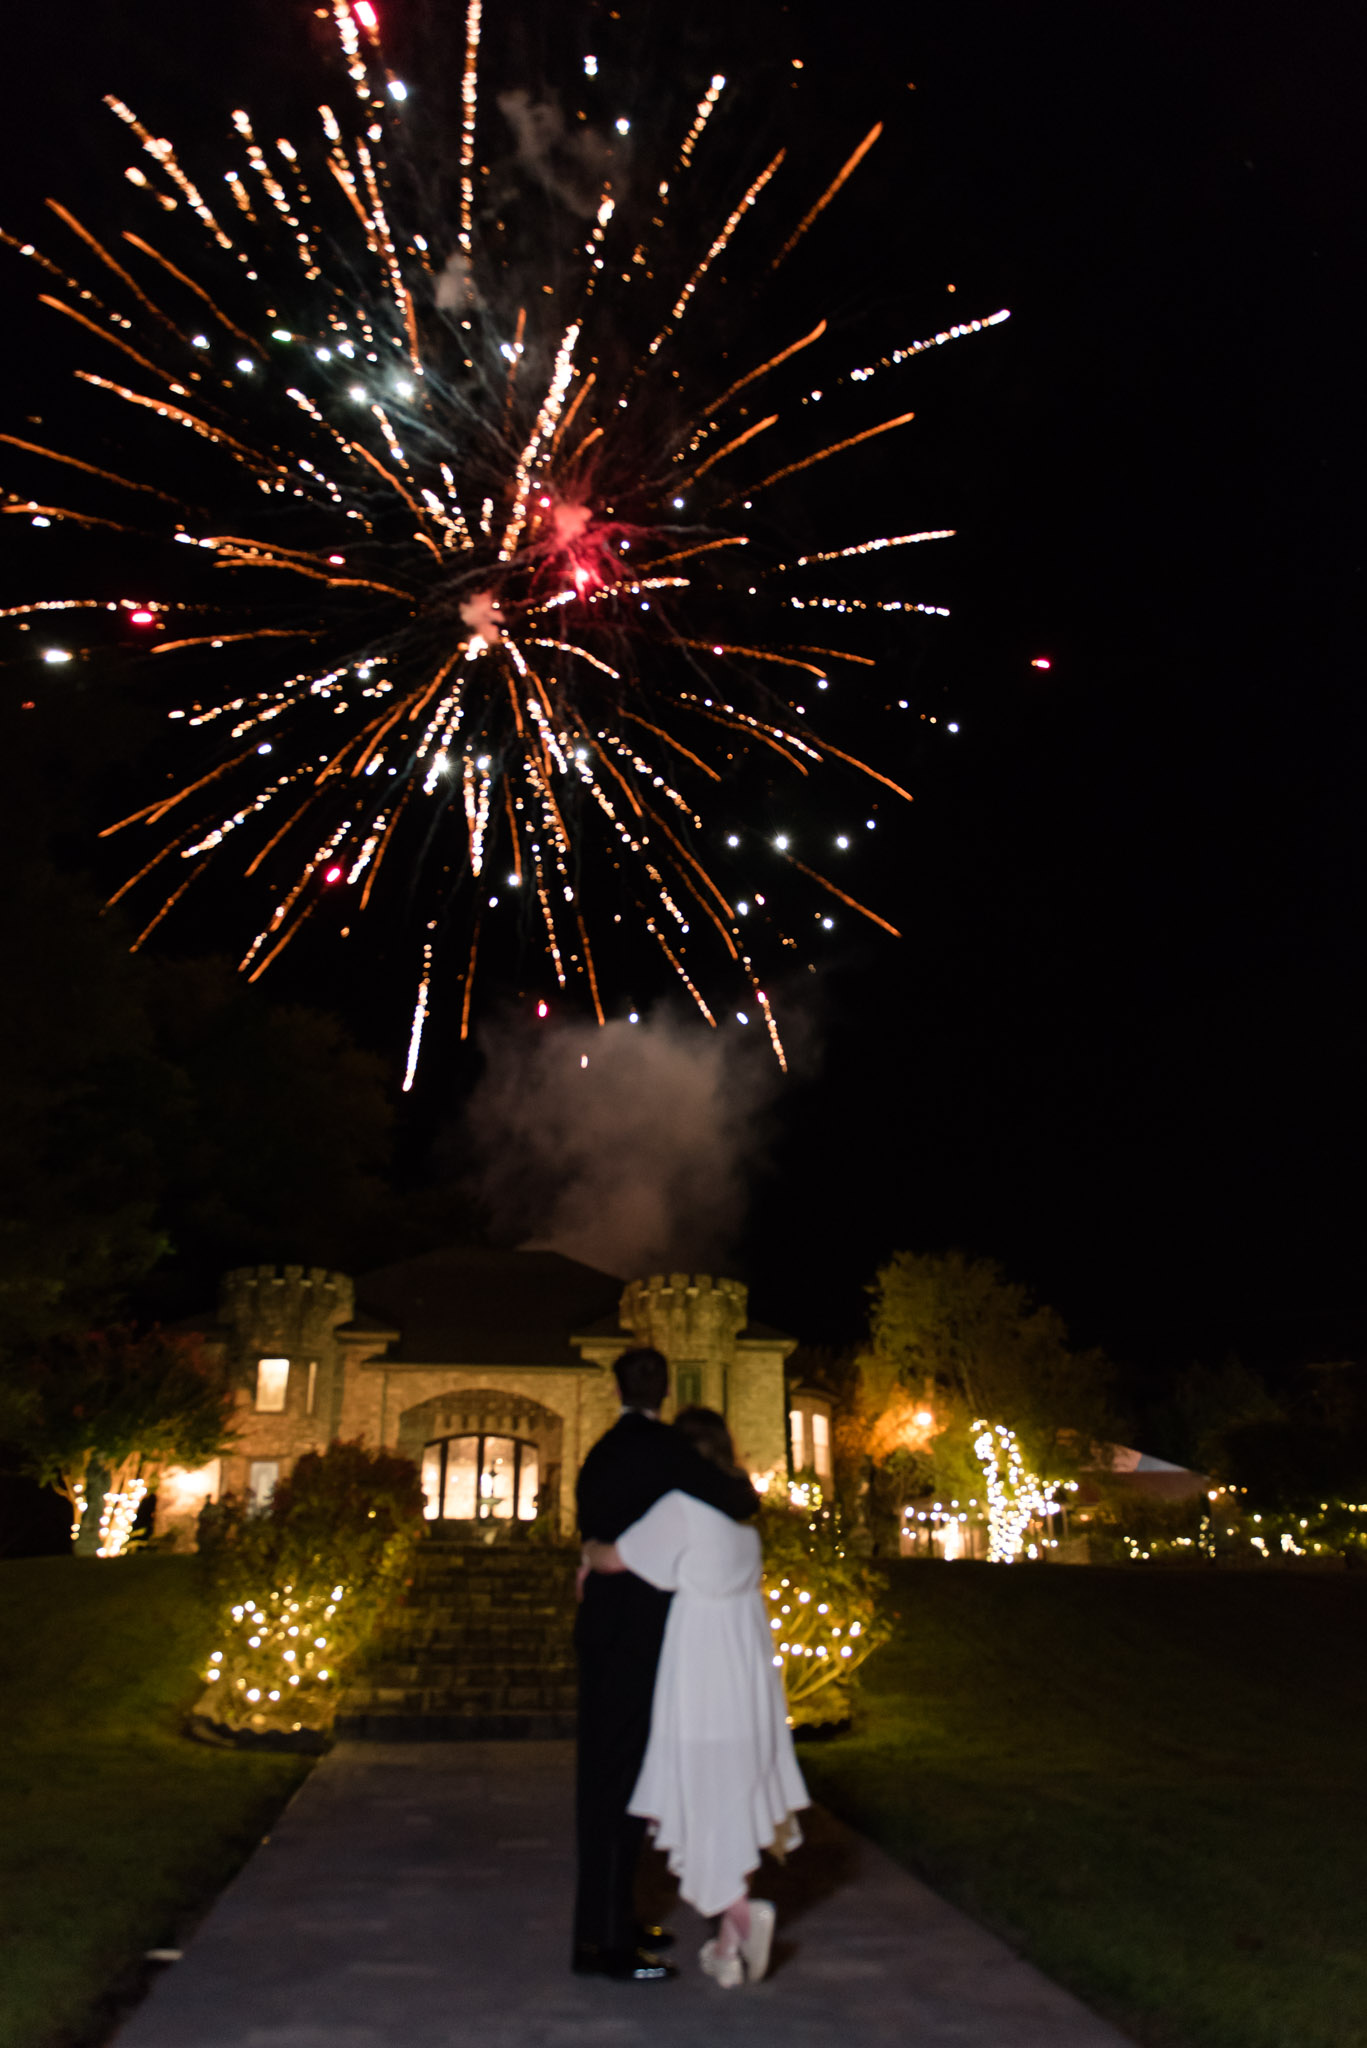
point(695, 1321)
point(283, 1311)
point(715, 1356)
point(279, 1326)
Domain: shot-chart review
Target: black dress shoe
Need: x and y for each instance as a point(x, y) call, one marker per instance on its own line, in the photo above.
point(652, 1937)
point(625, 1966)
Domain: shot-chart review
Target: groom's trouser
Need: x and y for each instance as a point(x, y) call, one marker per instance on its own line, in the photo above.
point(618, 1636)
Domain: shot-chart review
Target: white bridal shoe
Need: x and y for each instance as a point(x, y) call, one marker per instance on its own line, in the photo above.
point(726, 1970)
point(758, 1942)
point(749, 1963)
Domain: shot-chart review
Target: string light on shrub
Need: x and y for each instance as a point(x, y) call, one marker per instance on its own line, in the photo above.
point(816, 1643)
point(274, 1652)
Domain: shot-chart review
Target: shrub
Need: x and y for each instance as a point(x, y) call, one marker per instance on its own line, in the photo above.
point(305, 1583)
point(823, 1605)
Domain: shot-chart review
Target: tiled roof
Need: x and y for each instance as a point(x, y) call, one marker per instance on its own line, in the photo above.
point(469, 1306)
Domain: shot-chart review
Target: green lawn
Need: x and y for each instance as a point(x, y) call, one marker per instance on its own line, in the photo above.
point(1153, 1783)
point(114, 1830)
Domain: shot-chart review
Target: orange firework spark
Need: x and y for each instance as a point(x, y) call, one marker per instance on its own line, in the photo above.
point(846, 170)
point(452, 470)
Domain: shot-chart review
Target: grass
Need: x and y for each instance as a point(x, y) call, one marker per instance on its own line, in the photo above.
point(1151, 1783)
point(117, 1831)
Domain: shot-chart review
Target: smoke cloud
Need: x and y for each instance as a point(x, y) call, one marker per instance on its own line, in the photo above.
point(571, 164)
point(632, 1147)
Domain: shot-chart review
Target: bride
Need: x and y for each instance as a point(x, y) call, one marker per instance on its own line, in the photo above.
point(720, 1780)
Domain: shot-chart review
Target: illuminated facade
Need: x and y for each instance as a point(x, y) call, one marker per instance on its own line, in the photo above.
point(490, 1369)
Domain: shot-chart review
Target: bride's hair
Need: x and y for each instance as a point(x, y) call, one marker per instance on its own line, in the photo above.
point(707, 1432)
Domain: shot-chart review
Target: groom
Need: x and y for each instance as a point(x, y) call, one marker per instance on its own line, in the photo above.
point(618, 1636)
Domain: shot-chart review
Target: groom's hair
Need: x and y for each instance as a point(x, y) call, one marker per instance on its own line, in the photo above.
point(642, 1378)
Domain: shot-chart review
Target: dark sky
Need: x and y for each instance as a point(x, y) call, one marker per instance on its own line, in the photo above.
point(1120, 1047)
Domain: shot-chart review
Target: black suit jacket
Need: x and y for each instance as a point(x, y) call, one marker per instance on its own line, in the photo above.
point(635, 1464)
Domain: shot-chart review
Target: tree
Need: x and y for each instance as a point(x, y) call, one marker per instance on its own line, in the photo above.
point(958, 1331)
point(285, 1143)
point(162, 1119)
point(84, 1103)
point(98, 1416)
point(1207, 1404)
point(953, 1344)
point(1311, 1451)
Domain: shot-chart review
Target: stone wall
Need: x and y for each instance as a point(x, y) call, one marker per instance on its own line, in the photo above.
point(340, 1385)
point(757, 1407)
point(287, 1312)
point(403, 1406)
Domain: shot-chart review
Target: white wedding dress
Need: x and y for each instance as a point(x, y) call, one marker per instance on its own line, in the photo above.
point(720, 1780)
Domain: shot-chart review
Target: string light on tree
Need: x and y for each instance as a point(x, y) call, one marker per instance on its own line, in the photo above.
point(1016, 1497)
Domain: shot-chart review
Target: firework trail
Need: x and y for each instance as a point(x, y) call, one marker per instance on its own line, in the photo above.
point(490, 583)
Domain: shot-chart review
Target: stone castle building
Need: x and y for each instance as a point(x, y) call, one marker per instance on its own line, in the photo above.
point(490, 1369)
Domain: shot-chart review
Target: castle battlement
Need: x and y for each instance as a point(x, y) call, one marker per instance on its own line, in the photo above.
point(686, 1315)
point(291, 1310)
point(501, 1355)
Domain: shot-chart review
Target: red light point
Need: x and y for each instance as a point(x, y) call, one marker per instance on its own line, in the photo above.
point(333, 875)
point(1041, 661)
point(366, 14)
point(337, 560)
point(143, 618)
point(542, 1010)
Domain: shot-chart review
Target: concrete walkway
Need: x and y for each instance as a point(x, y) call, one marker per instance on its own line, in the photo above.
point(418, 1896)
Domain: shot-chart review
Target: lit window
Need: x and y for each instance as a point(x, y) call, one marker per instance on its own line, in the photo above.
point(262, 1475)
point(821, 1444)
point(272, 1380)
point(809, 1430)
point(480, 1479)
point(311, 1397)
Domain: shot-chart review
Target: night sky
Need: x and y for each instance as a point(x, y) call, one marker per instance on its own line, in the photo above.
point(1119, 1048)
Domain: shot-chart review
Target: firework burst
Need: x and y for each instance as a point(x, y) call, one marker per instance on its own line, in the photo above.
point(488, 572)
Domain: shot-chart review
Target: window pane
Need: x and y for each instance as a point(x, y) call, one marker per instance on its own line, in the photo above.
point(431, 1481)
point(496, 1479)
point(527, 1485)
point(462, 1471)
point(261, 1477)
point(272, 1379)
point(821, 1444)
point(689, 1383)
point(799, 1437)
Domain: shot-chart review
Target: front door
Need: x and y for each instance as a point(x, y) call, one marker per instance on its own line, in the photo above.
point(480, 1479)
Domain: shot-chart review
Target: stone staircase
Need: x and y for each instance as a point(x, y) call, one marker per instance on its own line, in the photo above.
point(481, 1649)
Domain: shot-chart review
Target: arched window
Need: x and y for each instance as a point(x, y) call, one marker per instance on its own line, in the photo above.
point(480, 1479)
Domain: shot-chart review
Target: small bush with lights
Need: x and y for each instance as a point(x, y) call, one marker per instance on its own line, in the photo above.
point(823, 1605)
point(303, 1584)
point(1223, 1527)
